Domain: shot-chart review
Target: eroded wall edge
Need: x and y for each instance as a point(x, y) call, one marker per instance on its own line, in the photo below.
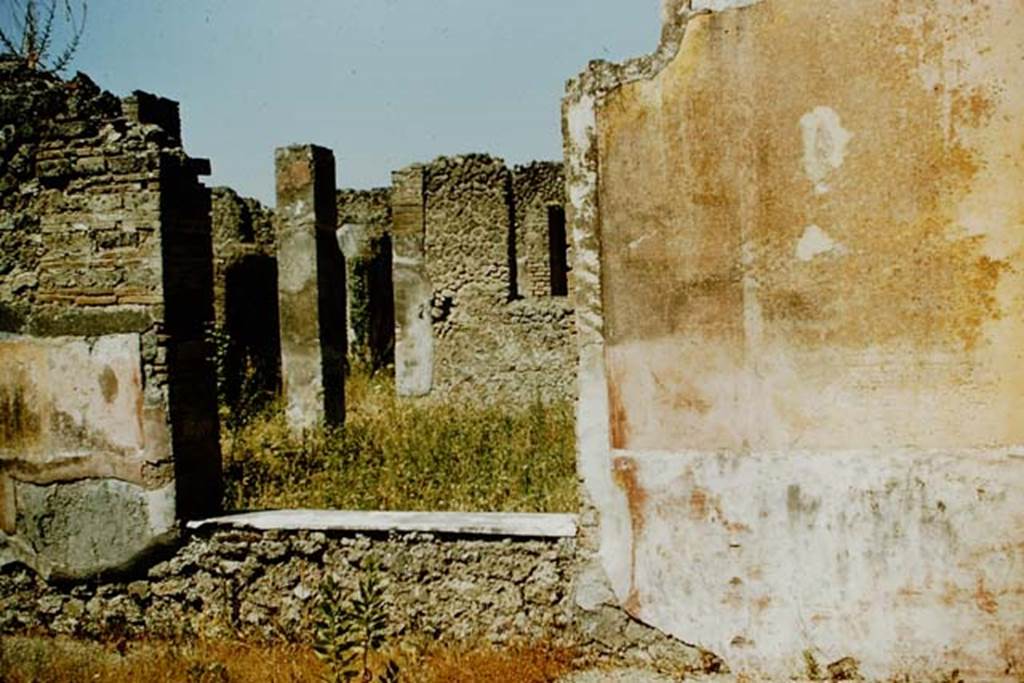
point(598, 552)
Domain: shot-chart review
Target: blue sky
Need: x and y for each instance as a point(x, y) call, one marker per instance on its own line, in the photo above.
point(383, 83)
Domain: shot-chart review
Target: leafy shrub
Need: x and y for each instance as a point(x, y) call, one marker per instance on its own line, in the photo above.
point(348, 634)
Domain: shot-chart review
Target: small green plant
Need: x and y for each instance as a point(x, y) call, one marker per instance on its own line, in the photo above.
point(243, 381)
point(349, 633)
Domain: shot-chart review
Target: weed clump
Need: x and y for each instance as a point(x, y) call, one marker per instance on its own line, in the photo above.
point(351, 632)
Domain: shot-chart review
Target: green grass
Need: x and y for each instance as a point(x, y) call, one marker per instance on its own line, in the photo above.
point(401, 454)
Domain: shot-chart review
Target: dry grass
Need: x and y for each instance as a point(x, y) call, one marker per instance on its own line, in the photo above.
point(30, 660)
point(406, 455)
point(520, 664)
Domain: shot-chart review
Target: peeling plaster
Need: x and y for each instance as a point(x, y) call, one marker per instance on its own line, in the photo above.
point(70, 418)
point(816, 242)
point(687, 8)
point(825, 143)
point(821, 458)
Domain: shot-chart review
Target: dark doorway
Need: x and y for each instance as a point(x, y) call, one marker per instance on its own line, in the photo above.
point(252, 366)
point(558, 251)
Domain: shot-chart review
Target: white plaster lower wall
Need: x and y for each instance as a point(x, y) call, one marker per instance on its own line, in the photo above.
point(908, 562)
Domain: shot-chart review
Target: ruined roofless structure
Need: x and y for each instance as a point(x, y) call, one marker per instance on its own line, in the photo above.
point(117, 264)
point(458, 274)
point(108, 415)
point(481, 282)
point(797, 293)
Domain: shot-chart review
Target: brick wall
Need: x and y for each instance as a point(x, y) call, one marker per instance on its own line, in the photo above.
point(106, 398)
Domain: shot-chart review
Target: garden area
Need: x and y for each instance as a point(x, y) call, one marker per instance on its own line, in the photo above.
point(401, 454)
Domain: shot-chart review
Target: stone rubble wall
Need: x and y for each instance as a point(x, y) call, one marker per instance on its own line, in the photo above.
point(488, 340)
point(107, 409)
point(538, 188)
point(456, 588)
point(265, 583)
point(371, 208)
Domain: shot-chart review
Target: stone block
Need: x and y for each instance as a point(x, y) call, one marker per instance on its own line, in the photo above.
point(76, 530)
point(90, 165)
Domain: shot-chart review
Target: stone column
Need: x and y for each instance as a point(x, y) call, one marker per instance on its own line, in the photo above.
point(311, 287)
point(414, 334)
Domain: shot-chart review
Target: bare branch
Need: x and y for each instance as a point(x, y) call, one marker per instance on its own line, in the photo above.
point(6, 42)
point(61, 62)
point(34, 29)
point(18, 17)
point(46, 36)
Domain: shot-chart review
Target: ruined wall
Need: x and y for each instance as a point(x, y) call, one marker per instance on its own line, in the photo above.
point(108, 429)
point(542, 250)
point(457, 268)
point(457, 579)
point(245, 298)
point(364, 235)
point(798, 234)
point(228, 580)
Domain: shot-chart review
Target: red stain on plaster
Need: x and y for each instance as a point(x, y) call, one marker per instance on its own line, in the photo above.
point(632, 605)
point(698, 505)
point(985, 599)
point(910, 592)
point(624, 471)
point(1011, 650)
point(619, 420)
point(973, 108)
point(949, 595)
point(705, 507)
point(732, 600)
point(140, 419)
point(8, 513)
point(681, 395)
